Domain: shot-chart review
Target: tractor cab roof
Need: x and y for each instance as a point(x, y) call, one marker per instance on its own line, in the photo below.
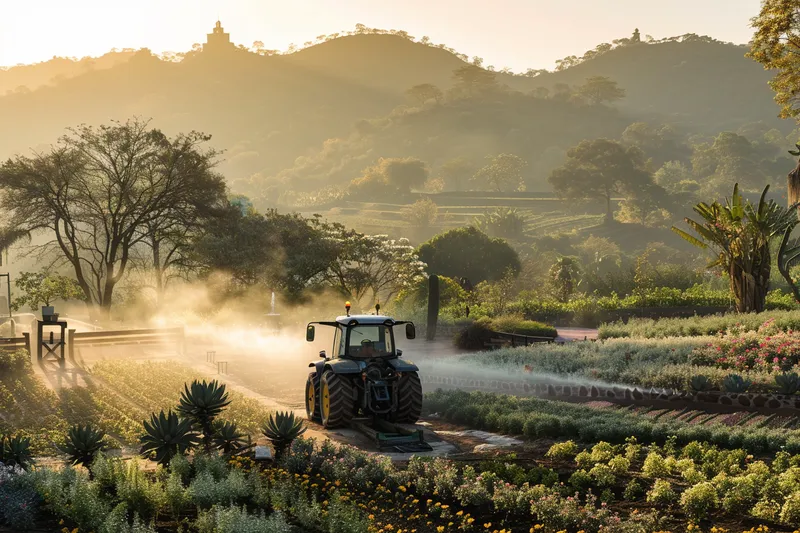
point(365, 320)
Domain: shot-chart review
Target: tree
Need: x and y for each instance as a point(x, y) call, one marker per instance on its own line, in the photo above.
point(503, 222)
point(564, 277)
point(42, 288)
point(422, 213)
point(373, 266)
point(457, 173)
point(741, 234)
point(287, 253)
point(472, 80)
point(601, 169)
point(99, 190)
point(468, 253)
point(730, 159)
point(600, 89)
point(503, 172)
point(671, 175)
point(776, 45)
point(424, 92)
point(391, 176)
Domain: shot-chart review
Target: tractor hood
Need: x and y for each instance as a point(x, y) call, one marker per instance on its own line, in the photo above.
point(401, 365)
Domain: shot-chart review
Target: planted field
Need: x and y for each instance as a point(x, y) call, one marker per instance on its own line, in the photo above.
point(120, 395)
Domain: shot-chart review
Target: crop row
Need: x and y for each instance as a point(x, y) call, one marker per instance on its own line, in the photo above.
point(537, 418)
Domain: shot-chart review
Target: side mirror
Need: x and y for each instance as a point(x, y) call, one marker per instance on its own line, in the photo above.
point(323, 354)
point(399, 352)
point(310, 333)
point(411, 331)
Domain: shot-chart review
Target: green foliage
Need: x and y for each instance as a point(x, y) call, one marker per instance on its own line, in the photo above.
point(433, 306)
point(788, 382)
point(520, 326)
point(503, 222)
point(735, 383)
point(633, 490)
point(469, 253)
point(13, 363)
point(661, 493)
point(502, 173)
point(202, 402)
point(282, 430)
point(421, 214)
point(600, 89)
point(83, 443)
point(740, 234)
point(700, 500)
point(564, 275)
point(42, 288)
point(15, 451)
point(227, 437)
point(602, 169)
point(702, 383)
point(166, 436)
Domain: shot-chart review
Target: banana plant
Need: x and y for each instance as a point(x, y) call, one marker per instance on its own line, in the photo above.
point(83, 444)
point(228, 439)
point(15, 451)
point(741, 234)
point(282, 430)
point(166, 436)
point(201, 403)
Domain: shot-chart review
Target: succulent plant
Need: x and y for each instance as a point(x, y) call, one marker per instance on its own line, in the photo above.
point(228, 439)
point(701, 384)
point(201, 403)
point(736, 383)
point(15, 451)
point(83, 444)
point(166, 436)
point(282, 429)
point(788, 382)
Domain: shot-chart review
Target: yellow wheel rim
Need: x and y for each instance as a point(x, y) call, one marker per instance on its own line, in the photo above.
point(326, 400)
point(311, 403)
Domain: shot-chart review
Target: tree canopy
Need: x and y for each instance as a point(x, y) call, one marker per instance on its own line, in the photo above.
point(469, 253)
point(600, 89)
point(101, 193)
point(503, 172)
point(602, 168)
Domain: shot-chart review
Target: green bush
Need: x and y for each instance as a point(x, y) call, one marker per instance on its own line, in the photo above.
point(661, 493)
point(475, 336)
point(633, 490)
point(698, 501)
point(562, 450)
point(14, 362)
point(520, 326)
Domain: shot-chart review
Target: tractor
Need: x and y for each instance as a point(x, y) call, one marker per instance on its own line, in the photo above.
point(364, 375)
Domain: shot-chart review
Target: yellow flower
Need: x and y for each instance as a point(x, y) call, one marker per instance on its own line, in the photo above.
point(440, 529)
point(487, 525)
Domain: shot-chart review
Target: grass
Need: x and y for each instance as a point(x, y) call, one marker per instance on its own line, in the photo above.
point(698, 326)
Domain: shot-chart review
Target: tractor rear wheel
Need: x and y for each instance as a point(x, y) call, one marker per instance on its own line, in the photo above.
point(312, 398)
point(409, 399)
point(337, 400)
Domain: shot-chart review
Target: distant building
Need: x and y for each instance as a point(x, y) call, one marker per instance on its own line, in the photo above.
point(218, 40)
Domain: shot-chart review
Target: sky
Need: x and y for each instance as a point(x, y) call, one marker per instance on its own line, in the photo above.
point(520, 34)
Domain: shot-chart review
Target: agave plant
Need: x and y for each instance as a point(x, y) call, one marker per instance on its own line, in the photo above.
point(228, 439)
point(83, 444)
point(735, 383)
point(201, 403)
point(788, 383)
point(166, 436)
point(282, 429)
point(15, 451)
point(701, 384)
point(507, 223)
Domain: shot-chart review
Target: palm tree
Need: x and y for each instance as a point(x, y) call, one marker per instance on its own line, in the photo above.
point(740, 234)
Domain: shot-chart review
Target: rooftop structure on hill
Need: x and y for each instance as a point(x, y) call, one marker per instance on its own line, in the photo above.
point(218, 40)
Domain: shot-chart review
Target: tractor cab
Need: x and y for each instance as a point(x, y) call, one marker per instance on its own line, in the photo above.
point(363, 373)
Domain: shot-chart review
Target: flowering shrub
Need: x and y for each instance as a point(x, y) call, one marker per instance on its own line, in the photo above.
point(765, 350)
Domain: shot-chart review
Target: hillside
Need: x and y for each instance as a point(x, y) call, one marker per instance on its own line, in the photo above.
point(297, 116)
point(29, 77)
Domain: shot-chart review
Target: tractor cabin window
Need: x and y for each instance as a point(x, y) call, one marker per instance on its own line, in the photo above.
point(370, 341)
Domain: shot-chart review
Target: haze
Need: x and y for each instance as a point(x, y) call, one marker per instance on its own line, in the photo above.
point(515, 33)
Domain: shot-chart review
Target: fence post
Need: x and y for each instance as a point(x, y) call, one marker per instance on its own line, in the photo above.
point(71, 343)
point(27, 342)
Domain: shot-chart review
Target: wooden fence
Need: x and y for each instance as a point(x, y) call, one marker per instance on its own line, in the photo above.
point(10, 344)
point(140, 337)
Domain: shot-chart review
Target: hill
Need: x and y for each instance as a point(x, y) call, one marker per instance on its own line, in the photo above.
point(326, 111)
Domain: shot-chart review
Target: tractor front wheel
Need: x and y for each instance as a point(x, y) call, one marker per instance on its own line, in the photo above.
point(409, 399)
point(337, 400)
point(312, 398)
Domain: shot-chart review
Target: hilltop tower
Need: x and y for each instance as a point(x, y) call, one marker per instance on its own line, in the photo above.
point(218, 40)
